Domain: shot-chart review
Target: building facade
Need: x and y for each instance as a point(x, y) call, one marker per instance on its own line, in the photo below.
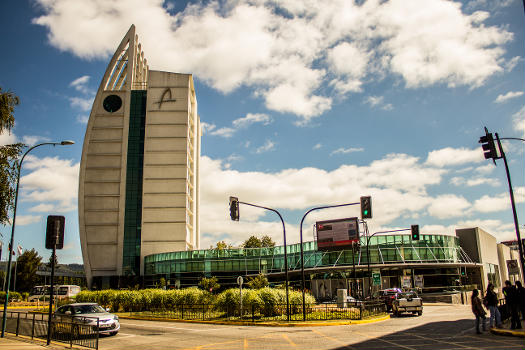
point(139, 173)
point(435, 264)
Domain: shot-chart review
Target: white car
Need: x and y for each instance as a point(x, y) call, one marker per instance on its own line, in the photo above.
point(87, 314)
point(407, 302)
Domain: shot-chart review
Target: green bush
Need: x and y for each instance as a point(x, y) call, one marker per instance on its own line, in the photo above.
point(13, 296)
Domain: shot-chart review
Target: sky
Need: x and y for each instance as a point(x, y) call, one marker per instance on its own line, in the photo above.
point(303, 104)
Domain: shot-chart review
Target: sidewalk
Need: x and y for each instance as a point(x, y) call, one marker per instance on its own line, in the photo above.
point(505, 330)
point(10, 342)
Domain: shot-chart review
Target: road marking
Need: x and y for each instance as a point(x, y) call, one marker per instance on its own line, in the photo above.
point(169, 327)
point(287, 338)
point(332, 339)
point(386, 341)
point(245, 344)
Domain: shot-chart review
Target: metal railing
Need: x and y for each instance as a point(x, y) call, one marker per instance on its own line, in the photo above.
point(257, 313)
point(68, 330)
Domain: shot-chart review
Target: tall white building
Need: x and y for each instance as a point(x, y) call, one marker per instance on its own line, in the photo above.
point(139, 174)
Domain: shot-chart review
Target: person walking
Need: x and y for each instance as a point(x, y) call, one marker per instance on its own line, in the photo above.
point(478, 310)
point(511, 299)
point(491, 301)
point(521, 298)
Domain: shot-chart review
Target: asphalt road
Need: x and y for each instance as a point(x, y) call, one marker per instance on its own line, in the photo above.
point(440, 327)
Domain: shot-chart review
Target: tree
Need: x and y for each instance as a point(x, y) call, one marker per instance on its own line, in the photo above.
point(27, 265)
point(257, 282)
point(221, 246)
point(8, 155)
point(209, 284)
point(255, 242)
point(267, 242)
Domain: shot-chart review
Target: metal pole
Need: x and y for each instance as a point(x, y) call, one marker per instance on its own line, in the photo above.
point(51, 292)
point(516, 225)
point(14, 280)
point(8, 277)
point(353, 267)
point(302, 251)
point(285, 254)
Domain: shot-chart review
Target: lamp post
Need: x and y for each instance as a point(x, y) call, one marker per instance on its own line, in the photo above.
point(301, 246)
point(285, 253)
point(8, 277)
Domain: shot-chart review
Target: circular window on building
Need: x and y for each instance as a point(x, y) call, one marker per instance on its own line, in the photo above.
point(112, 103)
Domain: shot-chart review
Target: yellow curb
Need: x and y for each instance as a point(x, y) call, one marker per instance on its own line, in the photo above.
point(508, 332)
point(267, 324)
point(21, 307)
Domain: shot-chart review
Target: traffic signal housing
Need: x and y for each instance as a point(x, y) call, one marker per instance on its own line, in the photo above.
point(415, 232)
point(55, 232)
point(234, 208)
point(488, 145)
point(366, 207)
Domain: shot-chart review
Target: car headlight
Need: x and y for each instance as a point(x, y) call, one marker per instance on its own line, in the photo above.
point(115, 317)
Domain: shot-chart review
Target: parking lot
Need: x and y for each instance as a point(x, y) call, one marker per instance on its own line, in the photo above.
point(440, 327)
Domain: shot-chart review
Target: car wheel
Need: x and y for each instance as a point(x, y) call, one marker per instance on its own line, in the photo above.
point(113, 333)
point(419, 313)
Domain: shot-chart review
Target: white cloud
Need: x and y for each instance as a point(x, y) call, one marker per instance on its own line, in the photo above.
point(346, 150)
point(286, 50)
point(43, 208)
point(518, 120)
point(470, 182)
point(33, 140)
point(378, 101)
point(84, 104)
point(237, 124)
point(252, 118)
point(7, 138)
point(509, 95)
point(454, 156)
point(317, 146)
point(82, 118)
point(449, 206)
point(488, 204)
point(80, 84)
point(22, 220)
point(207, 127)
point(509, 66)
point(51, 180)
point(268, 146)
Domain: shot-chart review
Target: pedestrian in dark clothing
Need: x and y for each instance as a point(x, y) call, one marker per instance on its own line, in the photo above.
point(511, 299)
point(521, 298)
point(491, 302)
point(478, 310)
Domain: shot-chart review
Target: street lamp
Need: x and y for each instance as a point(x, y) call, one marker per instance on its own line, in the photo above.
point(8, 277)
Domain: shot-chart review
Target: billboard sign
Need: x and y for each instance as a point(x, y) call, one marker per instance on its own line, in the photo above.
point(337, 234)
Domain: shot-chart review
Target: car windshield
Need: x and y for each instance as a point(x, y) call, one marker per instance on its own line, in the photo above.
point(88, 309)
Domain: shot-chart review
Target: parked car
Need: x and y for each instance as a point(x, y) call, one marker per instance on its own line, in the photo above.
point(388, 296)
point(87, 314)
point(407, 302)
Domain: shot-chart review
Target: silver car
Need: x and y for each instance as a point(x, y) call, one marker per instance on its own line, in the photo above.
point(87, 314)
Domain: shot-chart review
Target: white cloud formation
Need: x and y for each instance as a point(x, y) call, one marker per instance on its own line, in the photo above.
point(286, 50)
point(237, 124)
point(343, 150)
point(80, 84)
point(470, 182)
point(32, 140)
point(518, 120)
point(317, 146)
point(454, 156)
point(378, 101)
point(268, 146)
point(509, 95)
point(84, 104)
point(22, 220)
point(449, 206)
point(82, 118)
point(7, 138)
point(51, 181)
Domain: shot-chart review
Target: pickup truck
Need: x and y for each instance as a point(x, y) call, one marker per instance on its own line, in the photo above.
point(407, 302)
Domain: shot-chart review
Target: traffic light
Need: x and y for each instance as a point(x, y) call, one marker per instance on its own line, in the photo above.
point(55, 232)
point(488, 145)
point(366, 207)
point(415, 232)
point(234, 208)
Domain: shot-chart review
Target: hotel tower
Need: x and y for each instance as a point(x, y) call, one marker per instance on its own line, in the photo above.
point(139, 174)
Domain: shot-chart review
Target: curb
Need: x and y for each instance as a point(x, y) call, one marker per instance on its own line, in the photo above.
point(265, 324)
point(43, 343)
point(508, 332)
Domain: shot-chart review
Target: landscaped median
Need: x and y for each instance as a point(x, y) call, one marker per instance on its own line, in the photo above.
point(258, 306)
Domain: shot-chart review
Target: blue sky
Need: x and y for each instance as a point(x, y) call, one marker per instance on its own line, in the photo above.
point(303, 103)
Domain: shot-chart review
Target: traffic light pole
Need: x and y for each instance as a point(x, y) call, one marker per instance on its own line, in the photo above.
point(302, 251)
point(285, 254)
point(516, 225)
